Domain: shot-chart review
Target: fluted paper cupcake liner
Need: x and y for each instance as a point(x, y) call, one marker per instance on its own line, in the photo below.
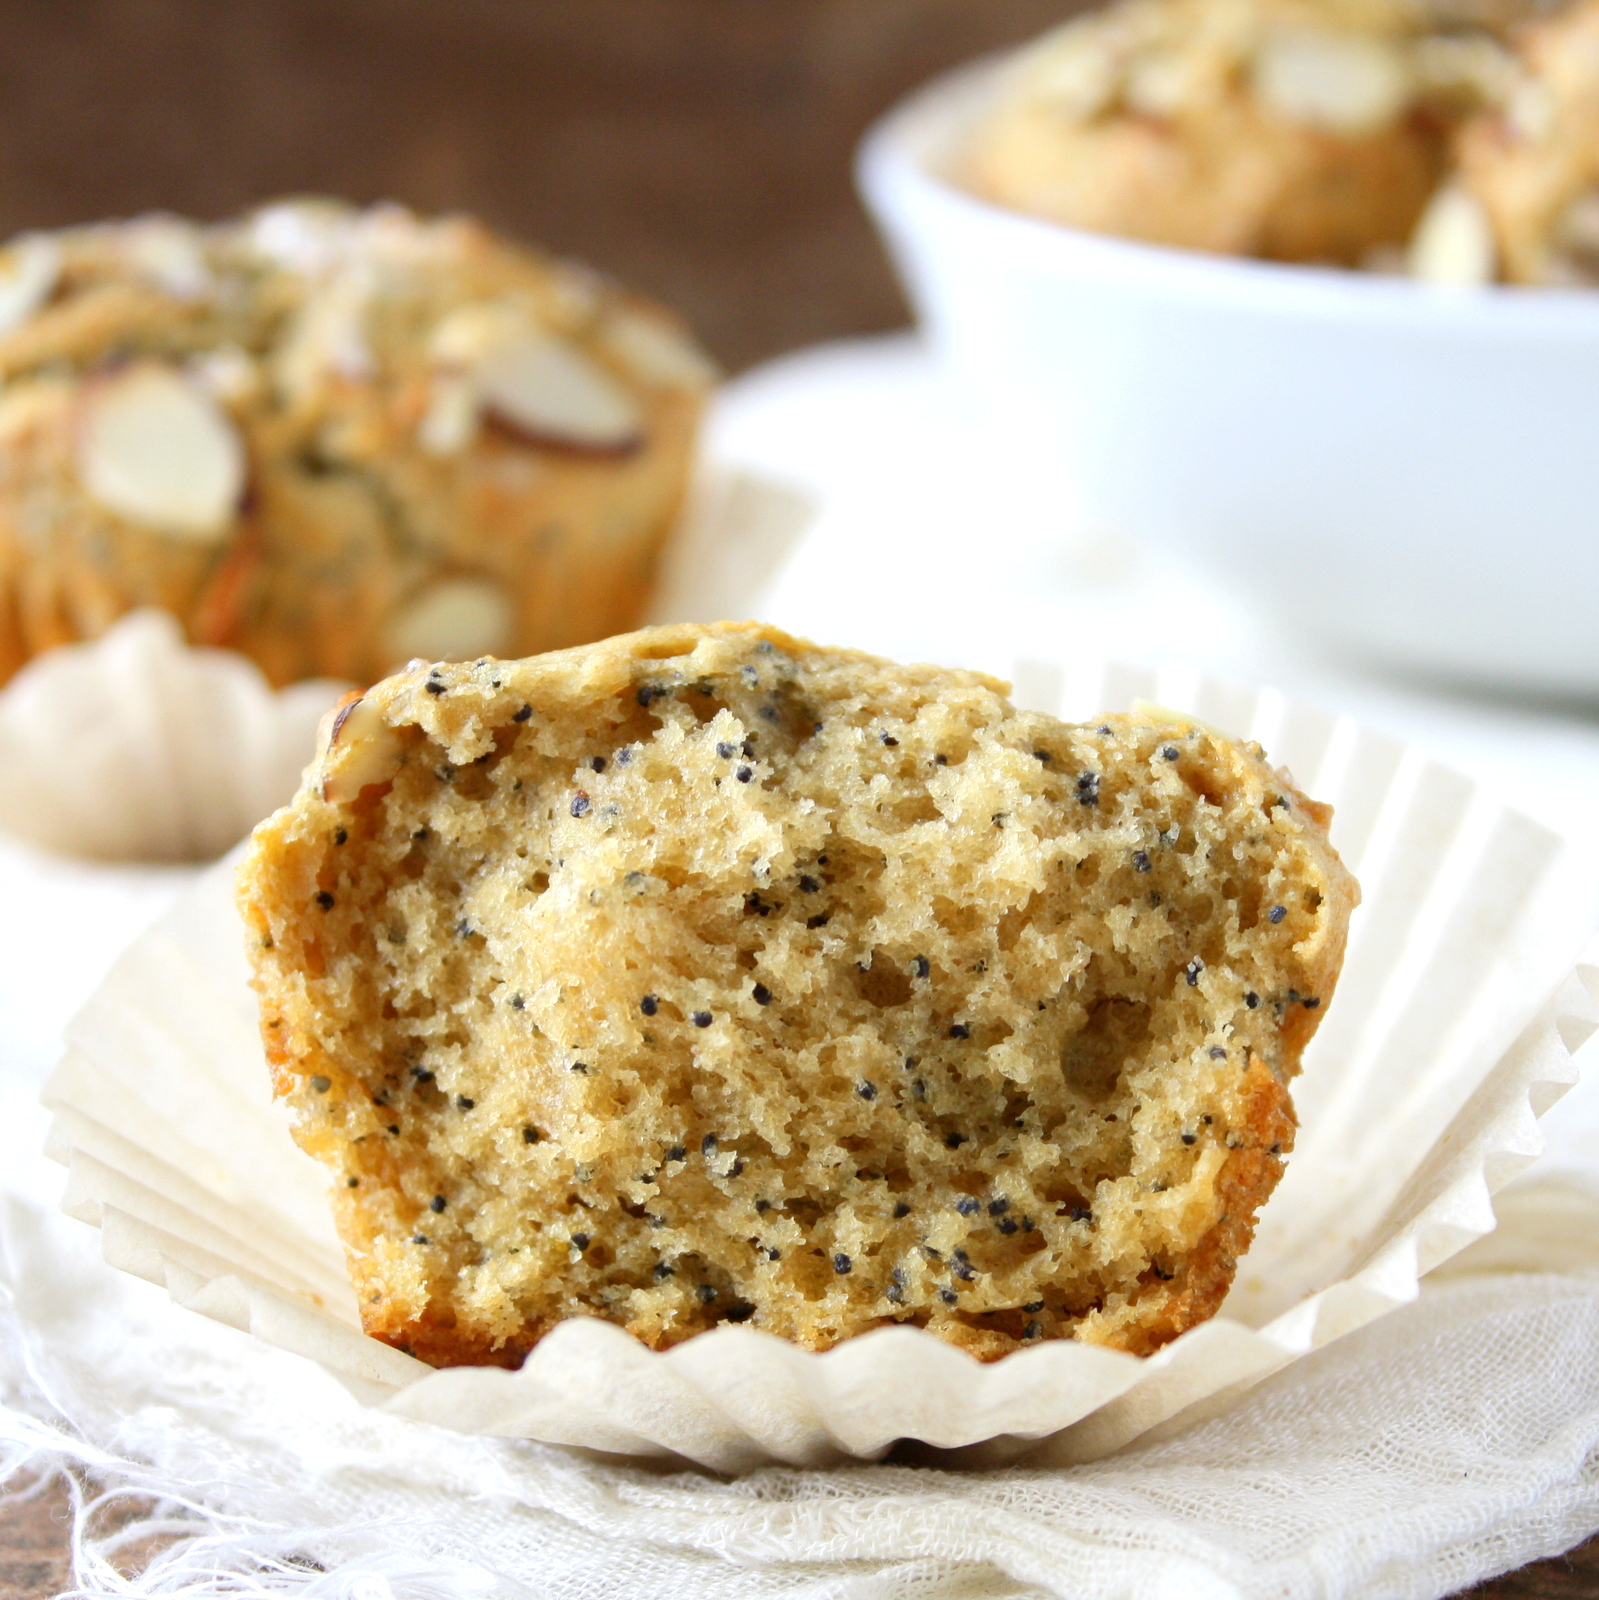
point(1461, 1002)
point(135, 747)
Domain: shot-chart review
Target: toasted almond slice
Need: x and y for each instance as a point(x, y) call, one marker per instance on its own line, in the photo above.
point(306, 235)
point(156, 449)
point(1351, 84)
point(450, 422)
point(328, 336)
point(228, 373)
point(453, 620)
point(29, 267)
point(655, 352)
point(549, 391)
point(356, 749)
point(463, 337)
point(1078, 69)
point(1161, 83)
point(167, 252)
point(1454, 242)
point(573, 295)
point(1531, 111)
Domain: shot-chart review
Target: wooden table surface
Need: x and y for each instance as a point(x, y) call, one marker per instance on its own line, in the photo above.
point(698, 149)
point(34, 1562)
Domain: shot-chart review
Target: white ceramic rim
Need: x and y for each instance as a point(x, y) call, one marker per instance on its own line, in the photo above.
point(898, 171)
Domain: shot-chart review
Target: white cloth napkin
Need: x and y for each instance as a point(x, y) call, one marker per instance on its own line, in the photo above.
point(1449, 1441)
point(1452, 1440)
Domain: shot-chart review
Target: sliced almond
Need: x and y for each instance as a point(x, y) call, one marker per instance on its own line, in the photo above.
point(1531, 111)
point(167, 252)
point(29, 267)
point(549, 391)
point(357, 749)
point(154, 448)
point(1162, 83)
point(328, 335)
point(462, 338)
point(449, 425)
point(655, 352)
point(456, 619)
point(1078, 71)
point(228, 372)
point(303, 235)
point(1454, 241)
point(1351, 84)
point(575, 293)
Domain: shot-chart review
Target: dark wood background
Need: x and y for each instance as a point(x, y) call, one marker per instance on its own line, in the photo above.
point(698, 149)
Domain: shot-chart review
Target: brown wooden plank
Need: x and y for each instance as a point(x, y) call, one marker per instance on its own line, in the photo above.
point(34, 1553)
point(1561, 1578)
point(699, 149)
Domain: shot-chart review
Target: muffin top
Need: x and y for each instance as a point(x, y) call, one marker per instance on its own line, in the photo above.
point(359, 332)
point(330, 438)
point(1310, 130)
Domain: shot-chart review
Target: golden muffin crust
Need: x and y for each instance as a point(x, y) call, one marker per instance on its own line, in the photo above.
point(331, 439)
point(706, 975)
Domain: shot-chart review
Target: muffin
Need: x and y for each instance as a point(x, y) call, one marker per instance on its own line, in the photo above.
point(708, 976)
point(331, 439)
point(1531, 167)
point(1296, 130)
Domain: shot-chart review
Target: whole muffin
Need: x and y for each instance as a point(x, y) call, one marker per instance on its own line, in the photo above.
point(331, 439)
point(1531, 166)
point(1296, 130)
point(705, 975)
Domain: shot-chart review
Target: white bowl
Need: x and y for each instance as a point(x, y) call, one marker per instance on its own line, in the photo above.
point(1411, 471)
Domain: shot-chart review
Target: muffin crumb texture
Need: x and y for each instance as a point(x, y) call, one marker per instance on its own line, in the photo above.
point(706, 976)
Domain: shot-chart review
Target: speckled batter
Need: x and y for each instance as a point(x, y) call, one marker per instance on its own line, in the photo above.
point(708, 976)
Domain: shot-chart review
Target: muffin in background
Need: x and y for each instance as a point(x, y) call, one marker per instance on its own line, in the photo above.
point(332, 439)
point(1529, 170)
point(1295, 130)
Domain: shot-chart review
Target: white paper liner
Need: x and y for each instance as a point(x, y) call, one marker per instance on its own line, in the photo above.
point(737, 529)
point(1451, 1032)
point(135, 747)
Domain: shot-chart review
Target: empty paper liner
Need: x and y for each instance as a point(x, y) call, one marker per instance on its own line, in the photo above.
point(136, 747)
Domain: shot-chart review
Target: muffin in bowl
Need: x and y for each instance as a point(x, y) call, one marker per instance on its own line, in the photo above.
point(1294, 130)
point(331, 439)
